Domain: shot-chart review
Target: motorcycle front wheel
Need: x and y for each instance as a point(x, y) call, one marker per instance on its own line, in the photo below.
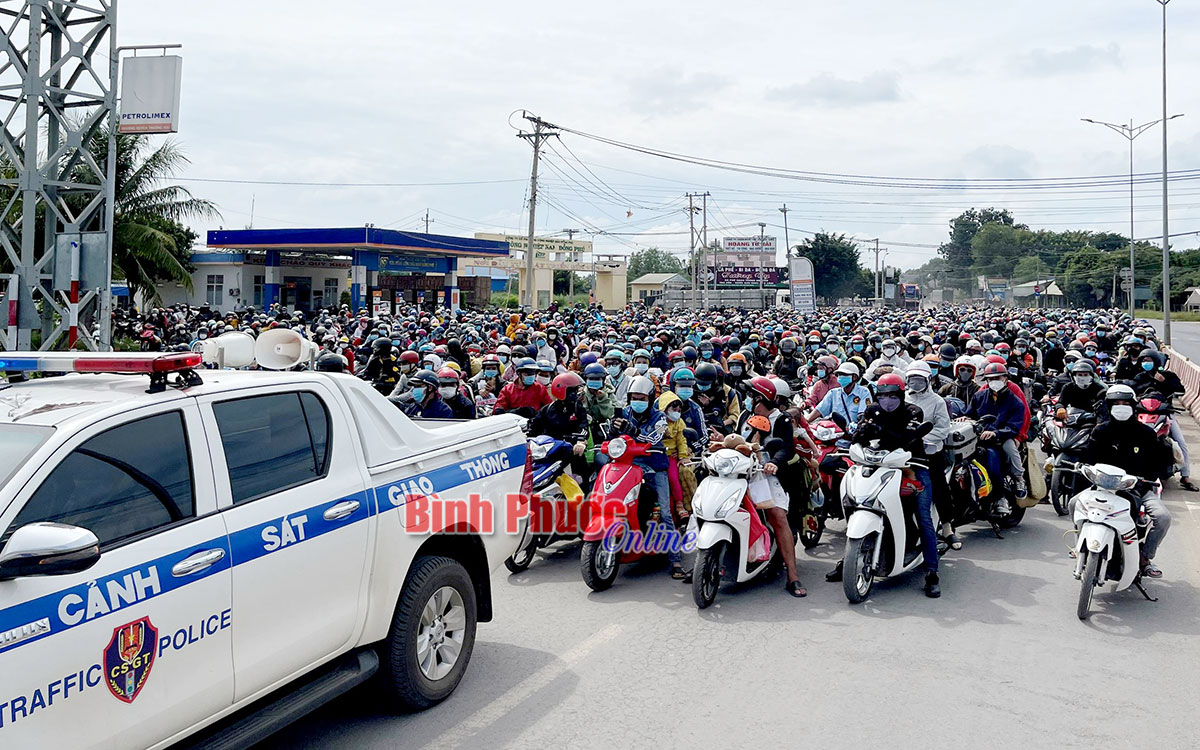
point(857, 575)
point(1013, 518)
point(706, 578)
point(1058, 492)
point(598, 565)
point(1087, 585)
point(812, 526)
point(520, 560)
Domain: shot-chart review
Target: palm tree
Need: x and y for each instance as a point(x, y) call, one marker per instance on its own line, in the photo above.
point(147, 226)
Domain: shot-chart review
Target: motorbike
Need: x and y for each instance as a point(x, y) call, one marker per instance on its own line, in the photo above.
point(1157, 414)
point(619, 512)
point(883, 537)
point(1065, 440)
point(1108, 547)
point(975, 474)
point(824, 501)
point(557, 511)
point(724, 516)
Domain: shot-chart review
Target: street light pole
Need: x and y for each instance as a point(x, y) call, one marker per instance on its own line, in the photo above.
point(762, 228)
point(1130, 132)
point(1166, 247)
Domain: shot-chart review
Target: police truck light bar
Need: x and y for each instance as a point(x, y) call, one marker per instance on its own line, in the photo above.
point(148, 363)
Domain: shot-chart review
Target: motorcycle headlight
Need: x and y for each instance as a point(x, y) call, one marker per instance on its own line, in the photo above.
point(631, 497)
point(616, 447)
point(724, 465)
point(728, 507)
point(538, 451)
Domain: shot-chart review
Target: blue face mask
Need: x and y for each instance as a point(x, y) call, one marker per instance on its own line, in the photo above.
point(639, 406)
point(945, 363)
point(748, 404)
point(490, 373)
point(684, 392)
point(858, 347)
point(673, 416)
point(1147, 366)
point(821, 374)
point(703, 386)
point(528, 379)
point(427, 366)
point(613, 370)
point(706, 354)
point(845, 380)
point(753, 344)
point(418, 394)
point(1090, 352)
point(658, 348)
point(595, 385)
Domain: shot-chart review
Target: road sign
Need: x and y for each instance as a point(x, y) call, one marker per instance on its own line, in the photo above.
point(1037, 290)
point(1126, 273)
point(1125, 285)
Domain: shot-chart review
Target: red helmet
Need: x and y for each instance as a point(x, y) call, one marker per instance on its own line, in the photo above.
point(763, 387)
point(1003, 347)
point(674, 355)
point(448, 373)
point(996, 359)
point(562, 383)
point(410, 357)
point(889, 383)
point(994, 370)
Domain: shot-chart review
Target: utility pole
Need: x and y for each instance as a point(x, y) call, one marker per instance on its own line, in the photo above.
point(787, 248)
point(1166, 246)
point(692, 245)
point(762, 228)
point(571, 255)
point(704, 243)
point(427, 220)
point(541, 131)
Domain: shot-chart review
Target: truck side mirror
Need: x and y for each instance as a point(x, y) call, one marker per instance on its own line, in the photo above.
point(48, 549)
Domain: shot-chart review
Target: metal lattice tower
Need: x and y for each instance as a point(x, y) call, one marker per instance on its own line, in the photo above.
point(56, 95)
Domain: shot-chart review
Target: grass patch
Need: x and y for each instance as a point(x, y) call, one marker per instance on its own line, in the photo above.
point(1186, 317)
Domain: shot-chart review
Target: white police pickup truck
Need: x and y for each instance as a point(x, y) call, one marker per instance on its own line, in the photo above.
point(209, 560)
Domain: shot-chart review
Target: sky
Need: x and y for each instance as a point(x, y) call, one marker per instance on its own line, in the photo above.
point(384, 99)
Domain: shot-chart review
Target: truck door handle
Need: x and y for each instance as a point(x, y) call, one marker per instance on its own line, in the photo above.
point(197, 562)
point(341, 510)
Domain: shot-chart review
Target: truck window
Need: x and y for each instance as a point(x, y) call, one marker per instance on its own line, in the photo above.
point(121, 483)
point(273, 443)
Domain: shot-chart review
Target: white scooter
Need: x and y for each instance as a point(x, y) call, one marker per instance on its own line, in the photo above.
point(721, 508)
point(1108, 548)
point(883, 539)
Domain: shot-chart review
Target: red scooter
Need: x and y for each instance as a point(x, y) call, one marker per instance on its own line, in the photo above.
point(617, 516)
point(1157, 414)
point(825, 501)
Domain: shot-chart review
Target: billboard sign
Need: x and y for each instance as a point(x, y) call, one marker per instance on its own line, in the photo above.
point(802, 285)
point(542, 246)
point(150, 94)
point(748, 244)
point(746, 275)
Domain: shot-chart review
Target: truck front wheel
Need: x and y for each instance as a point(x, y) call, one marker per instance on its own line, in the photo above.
point(432, 635)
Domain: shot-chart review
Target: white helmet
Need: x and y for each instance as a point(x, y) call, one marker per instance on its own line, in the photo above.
point(920, 367)
point(1120, 392)
point(782, 389)
point(964, 361)
point(641, 385)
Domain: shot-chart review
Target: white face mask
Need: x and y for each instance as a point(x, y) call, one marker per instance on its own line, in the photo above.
point(543, 379)
point(1122, 412)
point(889, 351)
point(1082, 381)
point(641, 367)
point(997, 385)
point(447, 391)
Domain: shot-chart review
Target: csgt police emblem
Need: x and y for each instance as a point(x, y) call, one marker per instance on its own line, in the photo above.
point(129, 657)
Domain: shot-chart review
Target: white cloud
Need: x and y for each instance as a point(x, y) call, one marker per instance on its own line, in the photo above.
point(826, 88)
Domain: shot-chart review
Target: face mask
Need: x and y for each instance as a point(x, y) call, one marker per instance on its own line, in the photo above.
point(418, 394)
point(543, 379)
point(1101, 334)
point(528, 379)
point(1020, 350)
point(706, 354)
point(673, 416)
point(835, 348)
point(1139, 339)
point(490, 373)
point(427, 366)
point(921, 347)
point(641, 367)
point(658, 348)
point(1038, 340)
point(753, 344)
point(1082, 381)
point(612, 341)
point(821, 374)
point(997, 385)
point(735, 369)
point(889, 351)
point(502, 357)
point(845, 380)
point(1122, 412)
point(595, 385)
point(918, 385)
point(933, 372)
point(889, 403)
point(613, 370)
point(447, 391)
point(684, 392)
point(748, 404)
point(703, 386)
point(639, 406)
point(858, 347)
point(1147, 366)
point(677, 363)
point(553, 336)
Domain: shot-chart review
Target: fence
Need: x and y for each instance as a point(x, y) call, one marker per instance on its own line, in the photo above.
point(1189, 374)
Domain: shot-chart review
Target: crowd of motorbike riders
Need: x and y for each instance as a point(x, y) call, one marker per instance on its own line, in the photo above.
point(681, 381)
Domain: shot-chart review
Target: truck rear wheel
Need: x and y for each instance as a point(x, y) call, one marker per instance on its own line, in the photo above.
point(432, 635)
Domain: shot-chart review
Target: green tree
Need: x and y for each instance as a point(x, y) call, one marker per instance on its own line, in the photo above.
point(653, 260)
point(1028, 268)
point(836, 269)
point(958, 249)
point(150, 243)
point(995, 248)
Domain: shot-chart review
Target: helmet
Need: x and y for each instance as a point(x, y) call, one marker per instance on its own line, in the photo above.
point(563, 383)
point(889, 383)
point(428, 378)
point(331, 362)
point(641, 385)
point(782, 389)
point(1082, 366)
point(920, 367)
point(706, 372)
point(787, 345)
point(963, 361)
point(681, 375)
point(448, 373)
point(948, 352)
point(1120, 392)
point(587, 358)
point(994, 370)
point(763, 387)
point(847, 368)
point(643, 353)
point(829, 361)
point(544, 365)
point(525, 364)
point(760, 423)
point(737, 357)
point(594, 370)
point(996, 359)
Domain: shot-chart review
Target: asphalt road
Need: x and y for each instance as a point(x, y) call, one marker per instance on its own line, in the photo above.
point(999, 661)
point(1185, 337)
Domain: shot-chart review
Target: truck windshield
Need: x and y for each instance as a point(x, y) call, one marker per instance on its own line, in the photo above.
point(17, 443)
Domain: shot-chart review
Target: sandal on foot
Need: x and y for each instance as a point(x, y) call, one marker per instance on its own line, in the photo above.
point(1188, 485)
point(796, 589)
point(1150, 570)
point(678, 573)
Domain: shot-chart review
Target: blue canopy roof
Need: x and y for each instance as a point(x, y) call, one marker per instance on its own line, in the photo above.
point(353, 238)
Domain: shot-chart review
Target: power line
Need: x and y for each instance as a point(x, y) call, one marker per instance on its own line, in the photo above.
point(298, 183)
